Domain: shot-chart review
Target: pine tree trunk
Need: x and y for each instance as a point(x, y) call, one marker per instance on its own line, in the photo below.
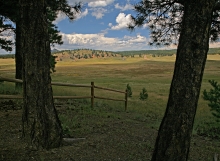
point(41, 126)
point(173, 140)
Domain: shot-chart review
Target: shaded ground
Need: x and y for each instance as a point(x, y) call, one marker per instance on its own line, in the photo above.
point(109, 136)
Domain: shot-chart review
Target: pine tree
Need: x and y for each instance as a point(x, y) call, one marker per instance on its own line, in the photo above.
point(213, 96)
point(190, 24)
point(41, 125)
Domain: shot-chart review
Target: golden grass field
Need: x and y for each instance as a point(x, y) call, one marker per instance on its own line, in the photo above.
point(153, 73)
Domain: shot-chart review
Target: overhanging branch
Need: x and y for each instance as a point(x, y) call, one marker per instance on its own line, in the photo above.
point(217, 6)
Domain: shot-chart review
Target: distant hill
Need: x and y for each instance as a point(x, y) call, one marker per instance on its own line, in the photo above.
point(163, 52)
point(54, 51)
point(89, 53)
point(149, 52)
point(71, 55)
point(7, 56)
point(214, 51)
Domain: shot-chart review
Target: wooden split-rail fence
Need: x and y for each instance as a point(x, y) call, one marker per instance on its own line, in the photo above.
point(92, 96)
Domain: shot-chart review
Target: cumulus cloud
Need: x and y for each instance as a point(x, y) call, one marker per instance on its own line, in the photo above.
point(101, 42)
point(7, 35)
point(61, 16)
point(82, 14)
point(95, 6)
point(100, 3)
point(136, 39)
point(98, 12)
point(122, 21)
point(124, 8)
point(72, 2)
point(88, 39)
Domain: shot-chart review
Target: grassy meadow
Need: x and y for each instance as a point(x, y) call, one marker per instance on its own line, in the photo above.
point(152, 73)
point(110, 133)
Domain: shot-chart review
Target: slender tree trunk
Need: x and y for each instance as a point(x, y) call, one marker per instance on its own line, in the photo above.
point(41, 126)
point(173, 140)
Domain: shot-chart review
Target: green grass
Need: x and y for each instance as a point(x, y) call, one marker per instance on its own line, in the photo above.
point(152, 73)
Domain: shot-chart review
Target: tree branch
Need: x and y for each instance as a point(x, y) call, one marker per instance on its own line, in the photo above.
point(217, 6)
point(180, 2)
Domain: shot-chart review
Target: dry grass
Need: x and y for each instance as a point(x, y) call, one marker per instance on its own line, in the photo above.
point(110, 132)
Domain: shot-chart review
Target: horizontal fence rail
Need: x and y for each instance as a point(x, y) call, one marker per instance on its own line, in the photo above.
point(92, 96)
point(108, 89)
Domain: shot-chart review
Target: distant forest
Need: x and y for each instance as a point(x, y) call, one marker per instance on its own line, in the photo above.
point(100, 53)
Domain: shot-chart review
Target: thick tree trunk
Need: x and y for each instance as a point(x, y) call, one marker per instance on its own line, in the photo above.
point(41, 126)
point(173, 140)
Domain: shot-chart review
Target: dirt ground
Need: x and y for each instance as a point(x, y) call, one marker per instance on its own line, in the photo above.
point(120, 138)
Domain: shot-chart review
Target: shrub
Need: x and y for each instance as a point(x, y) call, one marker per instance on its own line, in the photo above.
point(129, 91)
point(53, 63)
point(143, 94)
point(85, 56)
point(209, 129)
point(213, 96)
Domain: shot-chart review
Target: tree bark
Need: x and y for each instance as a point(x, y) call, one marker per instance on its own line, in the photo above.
point(173, 140)
point(41, 126)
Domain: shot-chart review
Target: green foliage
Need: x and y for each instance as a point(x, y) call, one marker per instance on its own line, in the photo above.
point(65, 125)
point(208, 129)
point(7, 56)
point(7, 89)
point(143, 94)
point(213, 96)
point(90, 56)
point(129, 91)
point(5, 25)
point(85, 56)
point(52, 63)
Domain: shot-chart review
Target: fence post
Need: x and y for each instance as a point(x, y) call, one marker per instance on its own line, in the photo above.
point(92, 94)
point(126, 99)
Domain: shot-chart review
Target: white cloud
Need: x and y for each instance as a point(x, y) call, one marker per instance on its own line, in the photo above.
point(72, 2)
point(100, 3)
point(98, 12)
point(7, 35)
point(137, 39)
point(82, 14)
point(124, 8)
point(101, 42)
point(122, 21)
point(88, 39)
point(61, 16)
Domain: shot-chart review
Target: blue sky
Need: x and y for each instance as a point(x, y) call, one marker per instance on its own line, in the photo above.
point(102, 25)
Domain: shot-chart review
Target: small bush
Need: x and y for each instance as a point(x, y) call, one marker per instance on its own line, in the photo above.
point(129, 91)
point(143, 94)
point(209, 129)
point(213, 96)
point(53, 63)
